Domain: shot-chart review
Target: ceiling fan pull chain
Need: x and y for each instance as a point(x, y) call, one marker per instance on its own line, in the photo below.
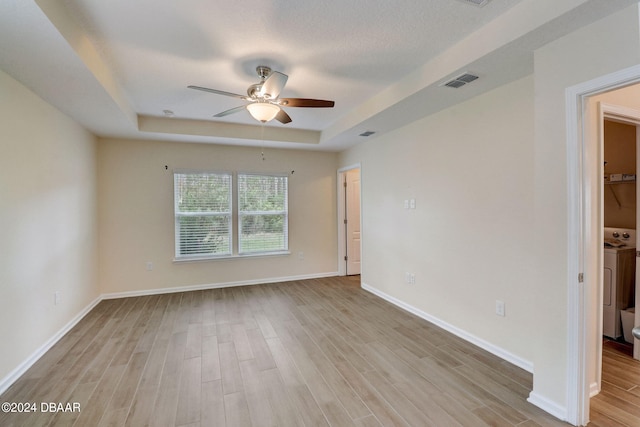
point(262, 139)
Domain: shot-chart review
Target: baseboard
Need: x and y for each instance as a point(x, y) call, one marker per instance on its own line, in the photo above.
point(593, 389)
point(159, 291)
point(501, 353)
point(543, 403)
point(547, 405)
point(6, 382)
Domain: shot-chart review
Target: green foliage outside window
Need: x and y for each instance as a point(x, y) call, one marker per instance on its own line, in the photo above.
point(263, 213)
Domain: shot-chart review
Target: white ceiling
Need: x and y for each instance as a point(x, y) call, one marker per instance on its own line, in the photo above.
point(115, 65)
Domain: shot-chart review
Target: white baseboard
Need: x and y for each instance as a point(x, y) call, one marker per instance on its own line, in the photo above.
point(593, 389)
point(547, 405)
point(543, 403)
point(6, 382)
point(501, 353)
point(159, 291)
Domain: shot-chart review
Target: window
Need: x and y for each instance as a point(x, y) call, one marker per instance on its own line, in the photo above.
point(262, 213)
point(203, 214)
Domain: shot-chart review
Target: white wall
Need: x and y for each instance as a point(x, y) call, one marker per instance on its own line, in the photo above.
point(47, 223)
point(470, 169)
point(137, 222)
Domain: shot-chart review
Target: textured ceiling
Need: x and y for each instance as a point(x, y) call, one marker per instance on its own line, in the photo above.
point(340, 50)
point(115, 65)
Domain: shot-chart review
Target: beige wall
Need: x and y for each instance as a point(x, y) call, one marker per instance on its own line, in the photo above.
point(470, 169)
point(47, 222)
point(137, 222)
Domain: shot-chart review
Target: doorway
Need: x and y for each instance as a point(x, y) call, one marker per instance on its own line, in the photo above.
point(618, 372)
point(349, 221)
point(585, 176)
point(618, 150)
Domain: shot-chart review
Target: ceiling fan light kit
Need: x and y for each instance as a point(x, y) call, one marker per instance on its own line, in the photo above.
point(263, 97)
point(263, 111)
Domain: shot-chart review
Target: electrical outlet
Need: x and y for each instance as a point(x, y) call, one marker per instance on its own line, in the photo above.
point(300, 255)
point(500, 308)
point(412, 204)
point(406, 204)
point(149, 266)
point(407, 277)
point(56, 298)
point(412, 279)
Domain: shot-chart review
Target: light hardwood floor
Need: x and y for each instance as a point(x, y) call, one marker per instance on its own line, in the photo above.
point(618, 403)
point(307, 353)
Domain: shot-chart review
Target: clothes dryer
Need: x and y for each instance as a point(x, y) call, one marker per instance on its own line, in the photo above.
point(618, 278)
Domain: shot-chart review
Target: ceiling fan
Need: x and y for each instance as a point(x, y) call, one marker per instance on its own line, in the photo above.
point(264, 102)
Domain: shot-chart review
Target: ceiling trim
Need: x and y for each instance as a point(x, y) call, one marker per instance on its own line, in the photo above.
point(88, 54)
point(226, 130)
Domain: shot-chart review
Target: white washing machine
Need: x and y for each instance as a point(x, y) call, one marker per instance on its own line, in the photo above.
point(619, 277)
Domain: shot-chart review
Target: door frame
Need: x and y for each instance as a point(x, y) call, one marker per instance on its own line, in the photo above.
point(342, 237)
point(582, 211)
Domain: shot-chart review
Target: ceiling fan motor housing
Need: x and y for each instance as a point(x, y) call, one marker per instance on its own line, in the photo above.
point(263, 71)
point(254, 91)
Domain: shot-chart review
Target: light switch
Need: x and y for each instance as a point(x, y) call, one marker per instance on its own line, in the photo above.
point(500, 308)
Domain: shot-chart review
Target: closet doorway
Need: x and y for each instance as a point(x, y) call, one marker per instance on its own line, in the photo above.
point(349, 221)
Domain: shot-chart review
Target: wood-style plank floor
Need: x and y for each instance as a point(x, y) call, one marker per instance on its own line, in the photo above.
point(308, 353)
point(618, 403)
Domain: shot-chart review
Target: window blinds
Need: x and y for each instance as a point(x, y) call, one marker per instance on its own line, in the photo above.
point(203, 208)
point(262, 213)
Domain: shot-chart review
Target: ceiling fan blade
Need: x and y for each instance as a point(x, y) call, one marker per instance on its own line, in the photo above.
point(306, 102)
point(283, 117)
point(231, 111)
point(219, 92)
point(272, 87)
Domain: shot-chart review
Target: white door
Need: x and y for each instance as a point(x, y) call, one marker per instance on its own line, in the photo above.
point(352, 223)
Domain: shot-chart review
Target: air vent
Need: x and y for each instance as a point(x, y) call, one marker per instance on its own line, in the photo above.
point(367, 133)
point(461, 80)
point(467, 78)
point(455, 84)
point(478, 3)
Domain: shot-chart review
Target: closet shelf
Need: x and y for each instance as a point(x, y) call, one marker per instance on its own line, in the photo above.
point(613, 193)
point(619, 182)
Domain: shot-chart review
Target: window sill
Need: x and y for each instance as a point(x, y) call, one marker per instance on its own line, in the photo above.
point(231, 257)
